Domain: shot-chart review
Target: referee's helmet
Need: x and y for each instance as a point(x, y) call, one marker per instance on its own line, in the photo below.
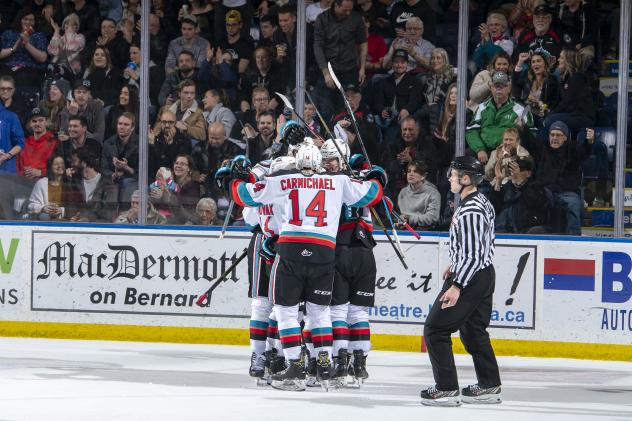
point(470, 166)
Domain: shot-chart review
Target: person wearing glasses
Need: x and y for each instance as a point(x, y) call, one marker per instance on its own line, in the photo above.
point(419, 49)
point(166, 142)
point(12, 102)
point(238, 47)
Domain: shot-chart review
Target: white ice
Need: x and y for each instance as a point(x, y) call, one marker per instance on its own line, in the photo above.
point(50, 380)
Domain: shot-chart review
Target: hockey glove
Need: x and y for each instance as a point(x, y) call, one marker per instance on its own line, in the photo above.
point(358, 162)
point(268, 249)
point(222, 178)
point(377, 173)
point(240, 169)
point(293, 133)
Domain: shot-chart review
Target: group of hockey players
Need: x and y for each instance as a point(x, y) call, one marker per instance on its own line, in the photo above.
point(310, 260)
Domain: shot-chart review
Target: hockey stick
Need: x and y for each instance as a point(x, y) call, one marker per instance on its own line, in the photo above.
point(390, 240)
point(289, 105)
point(320, 117)
point(390, 221)
point(229, 212)
point(406, 225)
point(200, 301)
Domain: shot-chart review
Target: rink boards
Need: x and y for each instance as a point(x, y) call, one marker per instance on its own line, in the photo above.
point(555, 296)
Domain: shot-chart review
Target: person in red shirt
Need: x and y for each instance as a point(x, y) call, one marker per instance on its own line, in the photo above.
point(31, 162)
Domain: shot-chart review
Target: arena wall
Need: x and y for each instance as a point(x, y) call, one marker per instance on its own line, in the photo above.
point(555, 296)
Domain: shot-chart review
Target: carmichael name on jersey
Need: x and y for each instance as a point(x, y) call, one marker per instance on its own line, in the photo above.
point(311, 208)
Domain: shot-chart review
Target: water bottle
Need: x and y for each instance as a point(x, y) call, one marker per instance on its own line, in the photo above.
point(132, 66)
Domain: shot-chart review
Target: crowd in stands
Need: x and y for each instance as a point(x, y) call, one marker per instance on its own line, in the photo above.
point(69, 111)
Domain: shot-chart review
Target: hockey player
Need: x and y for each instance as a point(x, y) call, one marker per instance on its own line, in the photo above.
point(305, 263)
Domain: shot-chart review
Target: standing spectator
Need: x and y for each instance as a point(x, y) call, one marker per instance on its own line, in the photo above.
point(23, 51)
point(31, 162)
point(406, 9)
point(435, 84)
point(77, 137)
point(55, 102)
point(105, 80)
point(419, 49)
point(189, 118)
point(316, 8)
point(11, 143)
point(111, 39)
point(494, 38)
point(492, 117)
point(89, 17)
point(189, 41)
point(265, 74)
point(479, 90)
point(578, 26)
point(339, 38)
point(377, 14)
point(235, 44)
point(127, 102)
point(264, 143)
point(224, 7)
point(53, 196)
point(65, 49)
point(419, 202)
point(214, 110)
point(187, 69)
point(83, 105)
point(10, 100)
point(206, 212)
point(166, 143)
point(542, 38)
point(119, 159)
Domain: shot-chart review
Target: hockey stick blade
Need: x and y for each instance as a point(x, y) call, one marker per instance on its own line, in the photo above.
point(209, 292)
point(334, 77)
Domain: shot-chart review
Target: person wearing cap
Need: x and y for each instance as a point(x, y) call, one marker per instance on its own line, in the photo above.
point(238, 47)
point(396, 97)
point(558, 170)
point(85, 106)
point(492, 117)
point(245, 10)
point(31, 162)
point(541, 38)
point(189, 41)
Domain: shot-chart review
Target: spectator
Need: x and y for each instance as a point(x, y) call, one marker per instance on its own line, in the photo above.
point(76, 137)
point(132, 74)
point(206, 211)
point(167, 143)
point(313, 10)
point(479, 90)
point(340, 39)
point(435, 84)
point(245, 15)
point(10, 100)
point(186, 70)
point(406, 9)
point(576, 107)
point(127, 102)
point(260, 104)
point(85, 106)
point(419, 50)
point(396, 97)
point(182, 200)
point(11, 144)
point(53, 195)
point(558, 170)
point(268, 25)
point(265, 74)
point(119, 159)
point(214, 110)
point(97, 194)
point(55, 102)
point(31, 162)
point(23, 51)
point(376, 50)
point(285, 39)
point(89, 17)
point(131, 215)
point(189, 118)
point(521, 17)
point(264, 143)
point(376, 13)
point(497, 169)
point(419, 202)
point(494, 39)
point(542, 38)
point(158, 41)
point(492, 117)
point(112, 9)
point(65, 49)
point(536, 87)
point(440, 119)
point(110, 39)
point(578, 26)
point(238, 46)
point(105, 80)
point(219, 148)
point(189, 41)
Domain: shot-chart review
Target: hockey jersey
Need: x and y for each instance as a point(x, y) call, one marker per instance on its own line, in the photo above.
point(311, 208)
point(355, 228)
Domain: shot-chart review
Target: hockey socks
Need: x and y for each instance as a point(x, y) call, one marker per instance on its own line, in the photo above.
point(260, 312)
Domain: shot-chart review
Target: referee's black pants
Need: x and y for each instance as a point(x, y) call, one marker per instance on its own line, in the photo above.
point(470, 316)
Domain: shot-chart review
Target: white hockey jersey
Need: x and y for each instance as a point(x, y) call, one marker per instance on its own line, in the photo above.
point(311, 208)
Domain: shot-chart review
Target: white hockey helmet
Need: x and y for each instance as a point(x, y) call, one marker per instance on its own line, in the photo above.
point(282, 163)
point(330, 151)
point(292, 149)
point(308, 157)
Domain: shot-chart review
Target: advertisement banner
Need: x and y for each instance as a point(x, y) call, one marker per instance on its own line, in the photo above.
point(12, 255)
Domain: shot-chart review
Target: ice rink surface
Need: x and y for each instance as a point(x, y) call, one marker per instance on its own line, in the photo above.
point(43, 379)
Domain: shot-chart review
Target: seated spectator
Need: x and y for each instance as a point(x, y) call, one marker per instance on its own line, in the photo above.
point(214, 110)
point(158, 41)
point(189, 41)
point(479, 89)
point(88, 16)
point(23, 51)
point(76, 137)
point(494, 39)
point(578, 27)
point(239, 46)
point(105, 80)
point(402, 11)
point(576, 106)
point(396, 97)
point(12, 100)
point(521, 204)
point(542, 38)
point(98, 195)
point(268, 25)
point(412, 42)
point(186, 69)
point(119, 159)
point(521, 17)
point(264, 143)
point(497, 168)
point(266, 74)
point(492, 117)
point(53, 196)
point(419, 202)
point(112, 40)
point(182, 200)
point(206, 211)
point(55, 102)
point(65, 49)
point(536, 86)
point(127, 102)
point(260, 104)
point(83, 105)
point(189, 117)
point(130, 216)
point(32, 161)
point(435, 83)
point(167, 143)
point(558, 170)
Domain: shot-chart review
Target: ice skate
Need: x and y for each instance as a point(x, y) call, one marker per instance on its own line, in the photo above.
point(323, 370)
point(435, 397)
point(311, 373)
point(357, 369)
point(340, 370)
point(477, 395)
point(277, 364)
point(290, 379)
point(257, 368)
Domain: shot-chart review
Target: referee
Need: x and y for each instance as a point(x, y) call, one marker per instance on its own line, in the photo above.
point(465, 301)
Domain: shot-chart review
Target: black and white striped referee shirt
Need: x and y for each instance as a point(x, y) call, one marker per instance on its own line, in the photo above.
point(471, 238)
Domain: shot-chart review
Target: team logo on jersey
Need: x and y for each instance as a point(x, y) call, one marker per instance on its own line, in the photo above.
point(362, 235)
point(259, 186)
point(306, 253)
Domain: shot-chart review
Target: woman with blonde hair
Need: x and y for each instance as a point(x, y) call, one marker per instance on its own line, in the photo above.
point(435, 84)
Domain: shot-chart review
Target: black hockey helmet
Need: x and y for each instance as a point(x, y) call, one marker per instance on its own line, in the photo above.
point(470, 166)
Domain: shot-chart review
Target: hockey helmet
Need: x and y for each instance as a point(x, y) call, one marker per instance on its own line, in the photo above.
point(308, 157)
point(470, 166)
point(282, 163)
